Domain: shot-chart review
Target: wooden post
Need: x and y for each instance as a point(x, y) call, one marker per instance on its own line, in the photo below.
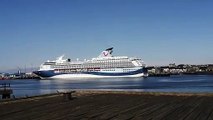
point(67, 95)
point(5, 92)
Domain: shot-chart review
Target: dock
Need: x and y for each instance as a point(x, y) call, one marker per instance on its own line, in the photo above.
point(107, 105)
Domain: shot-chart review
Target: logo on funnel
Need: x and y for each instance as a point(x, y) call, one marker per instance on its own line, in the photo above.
point(105, 53)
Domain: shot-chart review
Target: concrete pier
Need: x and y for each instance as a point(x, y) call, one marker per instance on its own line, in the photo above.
point(111, 105)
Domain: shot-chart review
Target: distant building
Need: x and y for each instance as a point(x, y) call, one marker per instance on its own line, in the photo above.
point(172, 65)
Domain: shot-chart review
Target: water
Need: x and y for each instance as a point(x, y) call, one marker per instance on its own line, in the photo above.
point(184, 83)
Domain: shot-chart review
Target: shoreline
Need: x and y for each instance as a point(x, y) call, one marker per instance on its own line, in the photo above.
point(86, 92)
point(150, 75)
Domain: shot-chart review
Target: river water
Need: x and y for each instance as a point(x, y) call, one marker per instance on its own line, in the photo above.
point(178, 83)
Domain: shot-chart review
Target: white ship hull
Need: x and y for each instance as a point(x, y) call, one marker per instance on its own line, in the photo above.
point(85, 76)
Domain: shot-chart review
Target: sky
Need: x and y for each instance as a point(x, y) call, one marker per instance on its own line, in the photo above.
point(158, 31)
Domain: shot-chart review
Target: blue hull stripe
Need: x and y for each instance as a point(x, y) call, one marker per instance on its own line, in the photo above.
point(50, 73)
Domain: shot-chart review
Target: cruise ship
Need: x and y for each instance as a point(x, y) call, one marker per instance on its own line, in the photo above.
point(104, 66)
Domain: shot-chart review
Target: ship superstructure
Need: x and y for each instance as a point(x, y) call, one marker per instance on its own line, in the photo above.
point(105, 65)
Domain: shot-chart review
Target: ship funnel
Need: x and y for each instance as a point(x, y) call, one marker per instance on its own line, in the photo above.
point(106, 53)
point(110, 50)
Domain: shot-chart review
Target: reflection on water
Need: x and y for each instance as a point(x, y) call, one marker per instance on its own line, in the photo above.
point(186, 83)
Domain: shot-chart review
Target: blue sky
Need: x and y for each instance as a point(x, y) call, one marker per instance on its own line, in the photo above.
point(158, 31)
